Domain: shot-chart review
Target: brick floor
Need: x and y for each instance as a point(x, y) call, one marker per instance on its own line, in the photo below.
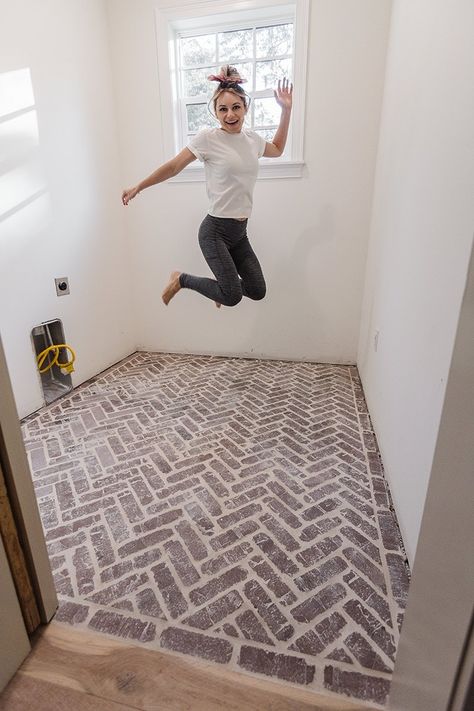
point(234, 510)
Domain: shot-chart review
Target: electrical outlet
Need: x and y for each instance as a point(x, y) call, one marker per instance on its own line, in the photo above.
point(376, 340)
point(62, 286)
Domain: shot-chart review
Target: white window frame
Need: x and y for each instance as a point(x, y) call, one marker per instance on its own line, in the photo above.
point(195, 14)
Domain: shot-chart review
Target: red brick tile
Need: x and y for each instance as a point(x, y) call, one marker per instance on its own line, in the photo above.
point(324, 633)
point(121, 626)
point(282, 666)
point(203, 594)
point(174, 599)
point(371, 626)
point(215, 611)
point(268, 611)
point(196, 644)
point(277, 556)
point(368, 688)
point(315, 605)
point(364, 653)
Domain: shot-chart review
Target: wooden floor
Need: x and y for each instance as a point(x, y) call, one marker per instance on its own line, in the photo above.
point(70, 670)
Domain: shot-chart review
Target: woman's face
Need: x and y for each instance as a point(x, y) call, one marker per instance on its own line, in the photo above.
point(230, 111)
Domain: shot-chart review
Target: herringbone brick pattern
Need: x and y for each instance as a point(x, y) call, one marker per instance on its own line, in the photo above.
point(229, 509)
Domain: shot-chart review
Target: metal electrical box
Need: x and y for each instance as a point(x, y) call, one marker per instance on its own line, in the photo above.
point(55, 382)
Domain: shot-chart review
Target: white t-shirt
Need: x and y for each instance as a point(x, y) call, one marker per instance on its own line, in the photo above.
point(231, 165)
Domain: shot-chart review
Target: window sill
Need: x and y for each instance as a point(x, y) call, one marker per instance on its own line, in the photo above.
point(267, 169)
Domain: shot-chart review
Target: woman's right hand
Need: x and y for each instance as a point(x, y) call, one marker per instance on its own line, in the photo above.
point(129, 194)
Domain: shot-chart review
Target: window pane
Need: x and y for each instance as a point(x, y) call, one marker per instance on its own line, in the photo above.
point(267, 133)
point(195, 81)
point(266, 112)
point(273, 41)
point(235, 45)
point(199, 117)
point(198, 50)
point(268, 73)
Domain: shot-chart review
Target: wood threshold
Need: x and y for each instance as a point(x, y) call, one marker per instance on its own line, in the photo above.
point(88, 672)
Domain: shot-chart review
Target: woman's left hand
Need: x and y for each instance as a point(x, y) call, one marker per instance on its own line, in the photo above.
point(284, 94)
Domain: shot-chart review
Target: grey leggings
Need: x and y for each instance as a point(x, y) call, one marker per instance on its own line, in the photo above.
point(226, 248)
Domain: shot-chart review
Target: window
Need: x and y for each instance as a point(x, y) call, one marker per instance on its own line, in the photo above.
point(262, 54)
point(265, 39)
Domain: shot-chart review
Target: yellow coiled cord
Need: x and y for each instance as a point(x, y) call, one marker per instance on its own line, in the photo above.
point(67, 367)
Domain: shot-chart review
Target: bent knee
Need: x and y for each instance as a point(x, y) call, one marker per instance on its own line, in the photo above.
point(232, 298)
point(258, 294)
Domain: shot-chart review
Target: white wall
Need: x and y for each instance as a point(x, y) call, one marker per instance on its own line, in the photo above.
point(310, 234)
point(421, 236)
point(67, 152)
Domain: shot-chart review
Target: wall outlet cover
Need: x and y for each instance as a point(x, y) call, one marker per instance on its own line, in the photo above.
point(62, 286)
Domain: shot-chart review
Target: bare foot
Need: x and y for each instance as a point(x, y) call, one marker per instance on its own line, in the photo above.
point(171, 288)
point(217, 304)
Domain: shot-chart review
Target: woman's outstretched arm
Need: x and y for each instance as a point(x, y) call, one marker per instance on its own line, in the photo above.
point(284, 98)
point(165, 171)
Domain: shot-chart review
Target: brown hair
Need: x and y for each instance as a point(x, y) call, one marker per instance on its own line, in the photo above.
point(229, 80)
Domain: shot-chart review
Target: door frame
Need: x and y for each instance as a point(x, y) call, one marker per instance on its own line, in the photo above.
point(22, 498)
point(435, 654)
point(15, 644)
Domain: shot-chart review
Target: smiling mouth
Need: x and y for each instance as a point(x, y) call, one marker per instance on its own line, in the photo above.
point(232, 123)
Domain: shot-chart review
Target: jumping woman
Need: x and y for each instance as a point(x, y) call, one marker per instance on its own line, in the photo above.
point(230, 154)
